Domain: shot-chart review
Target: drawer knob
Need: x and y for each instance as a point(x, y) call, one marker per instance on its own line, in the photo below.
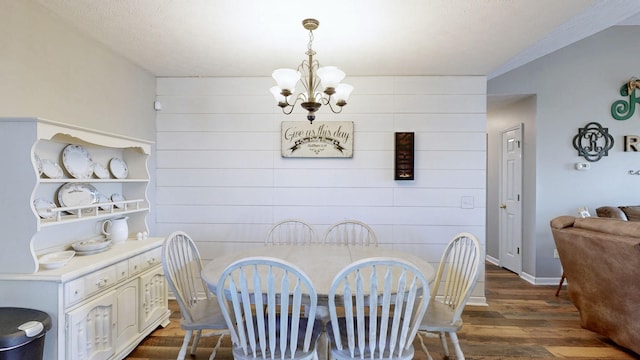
point(101, 282)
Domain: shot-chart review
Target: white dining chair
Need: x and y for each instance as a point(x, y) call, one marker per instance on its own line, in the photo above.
point(262, 302)
point(384, 301)
point(291, 232)
point(199, 308)
point(350, 232)
point(458, 274)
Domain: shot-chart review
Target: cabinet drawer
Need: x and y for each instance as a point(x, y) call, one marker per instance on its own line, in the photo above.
point(73, 291)
point(78, 289)
point(151, 258)
point(122, 270)
point(135, 265)
point(100, 279)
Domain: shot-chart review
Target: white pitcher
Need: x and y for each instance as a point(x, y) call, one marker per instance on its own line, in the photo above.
point(116, 229)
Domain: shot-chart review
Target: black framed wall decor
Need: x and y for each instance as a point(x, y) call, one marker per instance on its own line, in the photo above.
point(404, 156)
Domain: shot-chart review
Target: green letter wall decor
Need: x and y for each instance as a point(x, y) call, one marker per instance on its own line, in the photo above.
point(621, 109)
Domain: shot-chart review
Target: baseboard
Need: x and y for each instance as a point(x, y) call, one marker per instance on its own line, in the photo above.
point(477, 301)
point(527, 277)
point(540, 280)
point(492, 260)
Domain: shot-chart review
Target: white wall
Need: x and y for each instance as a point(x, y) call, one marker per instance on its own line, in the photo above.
point(49, 70)
point(221, 177)
point(574, 86)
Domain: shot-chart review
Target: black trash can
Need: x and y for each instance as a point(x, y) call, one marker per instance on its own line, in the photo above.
point(22, 333)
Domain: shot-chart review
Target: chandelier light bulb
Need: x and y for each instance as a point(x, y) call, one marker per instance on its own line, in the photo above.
point(286, 79)
point(342, 94)
point(330, 77)
point(277, 94)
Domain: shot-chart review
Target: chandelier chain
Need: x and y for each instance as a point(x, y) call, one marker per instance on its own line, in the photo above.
point(309, 45)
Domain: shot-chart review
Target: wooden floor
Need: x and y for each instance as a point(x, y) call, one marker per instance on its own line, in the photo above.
point(522, 321)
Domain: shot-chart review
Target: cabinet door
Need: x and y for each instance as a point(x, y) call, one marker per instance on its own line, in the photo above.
point(127, 318)
point(90, 329)
point(153, 295)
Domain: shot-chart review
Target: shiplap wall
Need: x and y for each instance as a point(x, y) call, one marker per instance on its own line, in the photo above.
point(220, 176)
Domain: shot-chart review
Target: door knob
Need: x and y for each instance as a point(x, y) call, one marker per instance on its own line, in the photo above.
point(503, 206)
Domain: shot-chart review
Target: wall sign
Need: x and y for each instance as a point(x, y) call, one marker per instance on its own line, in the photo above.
point(404, 156)
point(593, 141)
point(319, 139)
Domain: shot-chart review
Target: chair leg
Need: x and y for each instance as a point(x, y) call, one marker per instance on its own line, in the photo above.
point(456, 345)
point(215, 349)
point(560, 284)
point(196, 339)
point(445, 347)
point(185, 343)
point(424, 347)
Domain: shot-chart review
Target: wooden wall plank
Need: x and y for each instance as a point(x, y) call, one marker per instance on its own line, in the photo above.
point(221, 178)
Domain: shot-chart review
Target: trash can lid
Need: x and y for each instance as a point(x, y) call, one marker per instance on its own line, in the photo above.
point(19, 326)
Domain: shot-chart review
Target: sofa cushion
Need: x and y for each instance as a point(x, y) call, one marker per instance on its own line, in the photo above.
point(611, 212)
point(632, 212)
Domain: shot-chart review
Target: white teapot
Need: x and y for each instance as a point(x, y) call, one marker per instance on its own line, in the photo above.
point(116, 229)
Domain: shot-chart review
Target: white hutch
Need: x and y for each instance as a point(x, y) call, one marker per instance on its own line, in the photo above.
point(101, 304)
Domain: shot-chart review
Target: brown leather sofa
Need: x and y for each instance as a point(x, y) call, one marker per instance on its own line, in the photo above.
point(601, 260)
point(630, 213)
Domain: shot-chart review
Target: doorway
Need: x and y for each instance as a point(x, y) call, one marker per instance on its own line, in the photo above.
point(510, 194)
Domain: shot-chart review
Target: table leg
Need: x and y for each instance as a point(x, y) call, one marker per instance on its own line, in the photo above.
point(323, 346)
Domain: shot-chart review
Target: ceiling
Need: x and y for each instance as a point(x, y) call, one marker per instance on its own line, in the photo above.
point(362, 37)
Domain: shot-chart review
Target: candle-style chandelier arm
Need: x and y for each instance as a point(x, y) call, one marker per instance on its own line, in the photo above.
point(327, 101)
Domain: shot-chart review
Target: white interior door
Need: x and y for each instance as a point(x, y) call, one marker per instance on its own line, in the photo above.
point(511, 200)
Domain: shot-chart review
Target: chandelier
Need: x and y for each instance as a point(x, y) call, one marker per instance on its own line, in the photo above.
point(312, 77)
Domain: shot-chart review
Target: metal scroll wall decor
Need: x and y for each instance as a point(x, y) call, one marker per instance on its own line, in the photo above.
point(593, 142)
point(622, 109)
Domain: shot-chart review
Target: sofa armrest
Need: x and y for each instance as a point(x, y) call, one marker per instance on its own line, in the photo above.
point(562, 222)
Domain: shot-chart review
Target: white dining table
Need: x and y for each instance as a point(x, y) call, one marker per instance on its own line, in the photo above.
point(320, 262)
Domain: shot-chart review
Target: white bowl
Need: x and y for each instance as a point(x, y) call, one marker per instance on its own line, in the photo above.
point(56, 259)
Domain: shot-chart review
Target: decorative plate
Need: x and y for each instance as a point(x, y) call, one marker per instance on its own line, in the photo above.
point(118, 168)
point(104, 199)
point(100, 171)
point(43, 208)
point(77, 161)
point(96, 243)
point(51, 170)
point(117, 197)
point(91, 252)
point(56, 259)
point(38, 162)
point(77, 194)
